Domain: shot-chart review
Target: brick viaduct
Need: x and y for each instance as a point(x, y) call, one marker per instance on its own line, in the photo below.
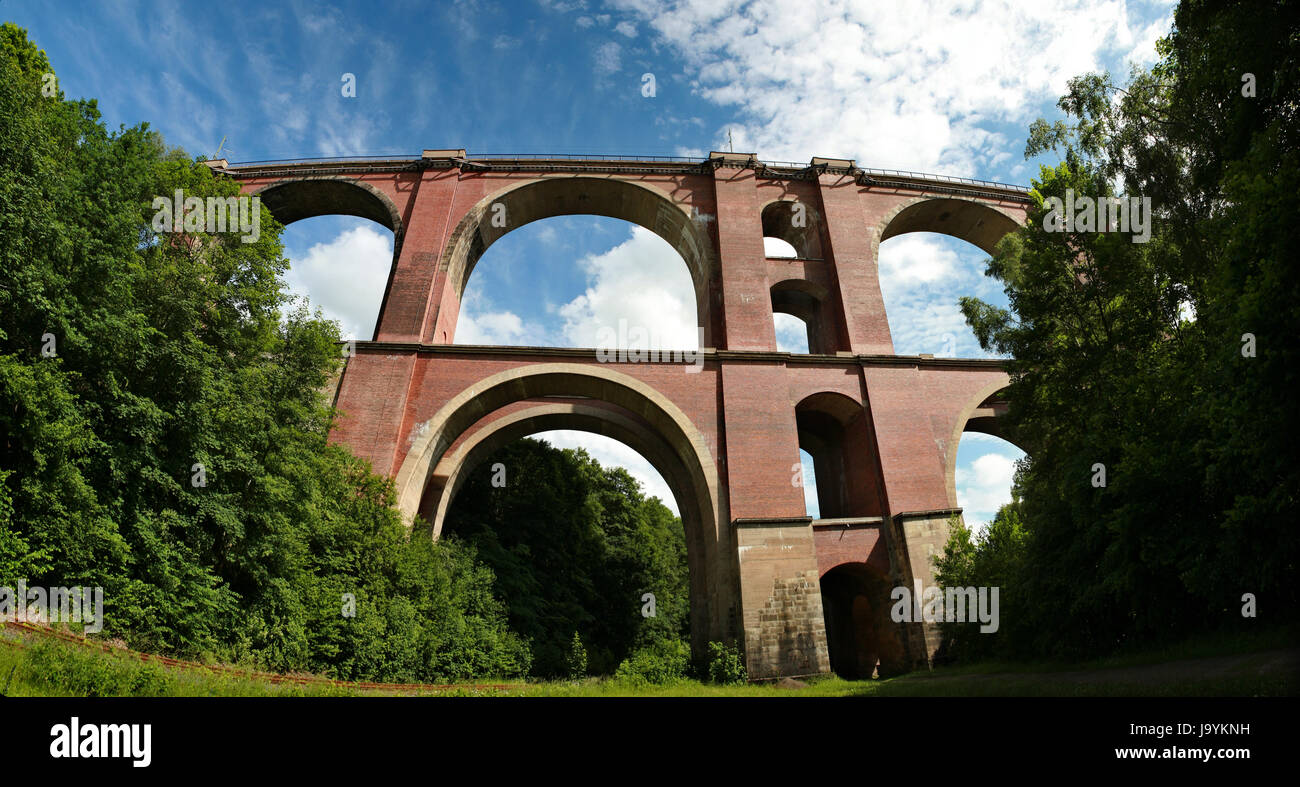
point(799, 595)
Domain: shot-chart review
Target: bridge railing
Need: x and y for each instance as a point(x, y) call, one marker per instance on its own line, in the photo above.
point(791, 165)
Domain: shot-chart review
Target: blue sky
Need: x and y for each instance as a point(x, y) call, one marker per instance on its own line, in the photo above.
point(944, 86)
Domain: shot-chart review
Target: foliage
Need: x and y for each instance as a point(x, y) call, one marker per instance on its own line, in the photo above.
point(172, 351)
point(1132, 355)
point(574, 546)
point(659, 662)
point(726, 664)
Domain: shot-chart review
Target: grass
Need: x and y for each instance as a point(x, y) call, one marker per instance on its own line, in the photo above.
point(35, 665)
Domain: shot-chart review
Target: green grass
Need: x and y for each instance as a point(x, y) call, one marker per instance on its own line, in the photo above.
point(50, 668)
point(40, 666)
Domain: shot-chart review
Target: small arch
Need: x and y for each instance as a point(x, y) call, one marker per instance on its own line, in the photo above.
point(835, 431)
point(796, 223)
point(807, 301)
point(861, 638)
point(975, 222)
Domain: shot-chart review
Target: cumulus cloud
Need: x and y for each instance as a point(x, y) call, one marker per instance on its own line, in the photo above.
point(984, 483)
point(643, 282)
point(345, 277)
point(919, 86)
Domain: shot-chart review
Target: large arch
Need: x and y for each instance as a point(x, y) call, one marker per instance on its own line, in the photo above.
point(621, 406)
point(977, 223)
point(455, 467)
point(517, 205)
point(330, 195)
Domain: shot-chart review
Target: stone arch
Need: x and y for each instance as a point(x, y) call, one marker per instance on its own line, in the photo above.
point(981, 413)
point(638, 203)
point(975, 222)
point(778, 222)
point(675, 437)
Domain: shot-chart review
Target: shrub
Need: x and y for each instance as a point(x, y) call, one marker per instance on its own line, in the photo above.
point(726, 664)
point(663, 661)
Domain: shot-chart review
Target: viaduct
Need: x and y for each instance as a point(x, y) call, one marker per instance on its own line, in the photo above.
point(801, 596)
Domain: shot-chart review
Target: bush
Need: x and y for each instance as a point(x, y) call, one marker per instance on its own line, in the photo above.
point(726, 664)
point(663, 661)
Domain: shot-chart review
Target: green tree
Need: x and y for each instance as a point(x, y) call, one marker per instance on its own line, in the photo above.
point(1134, 356)
point(163, 428)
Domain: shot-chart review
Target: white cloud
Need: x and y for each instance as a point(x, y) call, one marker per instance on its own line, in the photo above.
point(626, 28)
point(791, 333)
point(909, 86)
point(611, 453)
point(984, 484)
point(642, 281)
point(609, 59)
point(345, 278)
point(481, 323)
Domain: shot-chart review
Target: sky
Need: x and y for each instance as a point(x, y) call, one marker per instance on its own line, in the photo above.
point(939, 86)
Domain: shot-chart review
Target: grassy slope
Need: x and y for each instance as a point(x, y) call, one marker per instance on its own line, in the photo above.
point(32, 665)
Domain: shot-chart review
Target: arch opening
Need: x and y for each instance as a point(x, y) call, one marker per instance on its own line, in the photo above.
point(580, 281)
point(525, 400)
point(553, 543)
point(796, 226)
point(517, 206)
point(862, 639)
point(931, 252)
point(807, 302)
point(835, 433)
point(340, 264)
point(983, 459)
